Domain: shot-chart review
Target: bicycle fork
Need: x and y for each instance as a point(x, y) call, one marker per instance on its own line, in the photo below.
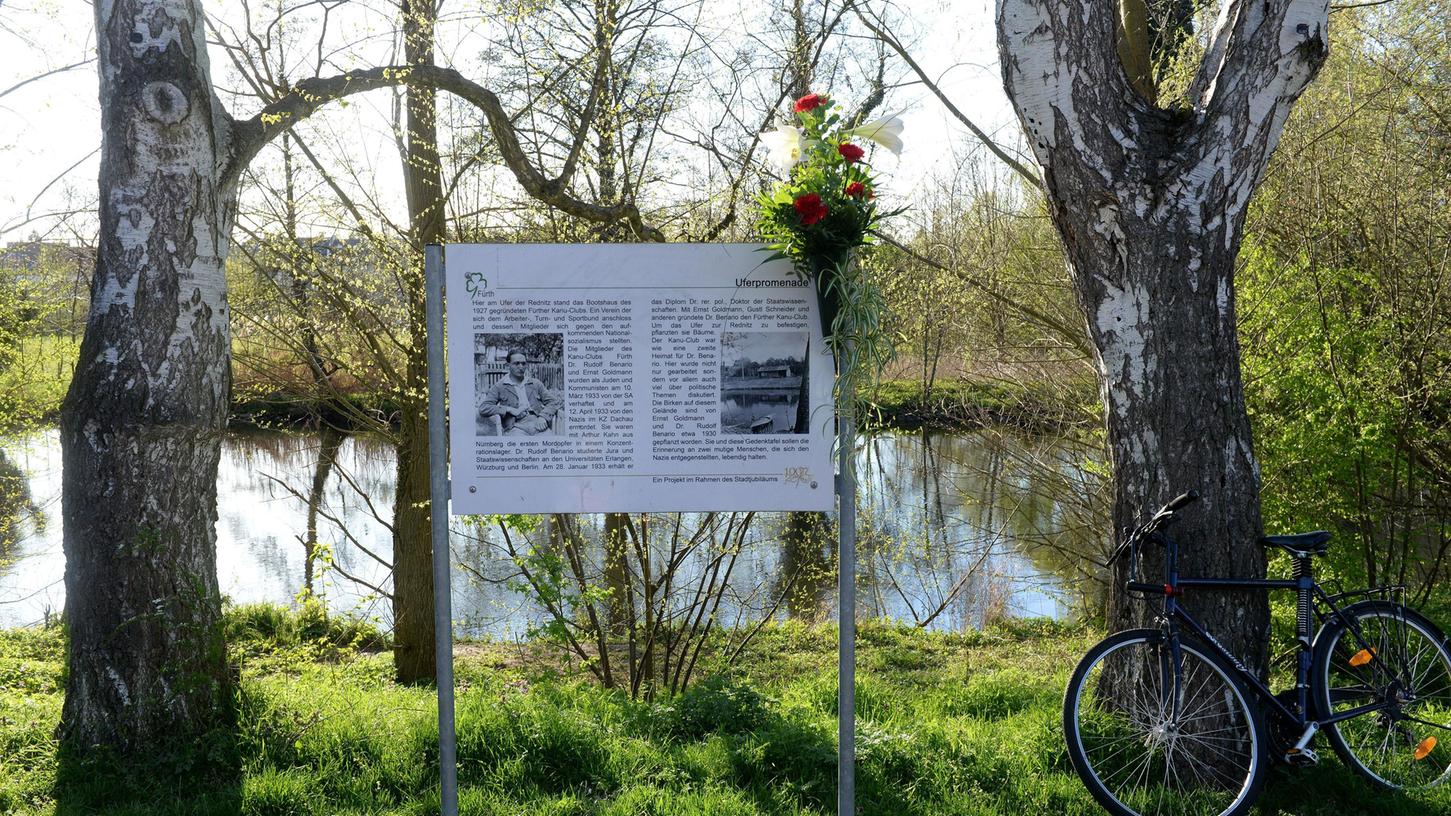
point(1171, 691)
point(1171, 674)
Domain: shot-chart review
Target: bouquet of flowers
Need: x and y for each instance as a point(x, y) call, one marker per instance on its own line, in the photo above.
point(826, 208)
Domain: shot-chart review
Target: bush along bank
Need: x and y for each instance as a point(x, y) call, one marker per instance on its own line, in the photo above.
point(892, 404)
point(1034, 407)
point(959, 404)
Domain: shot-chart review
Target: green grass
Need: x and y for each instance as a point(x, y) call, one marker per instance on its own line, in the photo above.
point(949, 724)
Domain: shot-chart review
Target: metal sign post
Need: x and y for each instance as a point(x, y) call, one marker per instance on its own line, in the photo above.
point(846, 599)
point(438, 510)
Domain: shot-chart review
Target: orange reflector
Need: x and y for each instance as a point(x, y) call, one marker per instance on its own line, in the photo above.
point(1425, 748)
point(1362, 657)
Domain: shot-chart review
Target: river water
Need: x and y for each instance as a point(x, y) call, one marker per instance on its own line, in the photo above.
point(955, 530)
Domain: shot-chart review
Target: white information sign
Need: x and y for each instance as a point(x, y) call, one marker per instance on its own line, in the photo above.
point(634, 377)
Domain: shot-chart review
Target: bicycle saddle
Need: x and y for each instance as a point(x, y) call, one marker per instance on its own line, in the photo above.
point(1316, 543)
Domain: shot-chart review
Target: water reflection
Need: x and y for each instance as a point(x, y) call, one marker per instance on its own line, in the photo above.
point(759, 412)
point(17, 511)
point(957, 528)
point(955, 531)
point(31, 563)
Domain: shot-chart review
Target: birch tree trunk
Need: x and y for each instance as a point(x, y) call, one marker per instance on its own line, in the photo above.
point(140, 425)
point(1150, 204)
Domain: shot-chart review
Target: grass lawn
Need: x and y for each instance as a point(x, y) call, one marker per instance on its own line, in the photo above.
point(949, 724)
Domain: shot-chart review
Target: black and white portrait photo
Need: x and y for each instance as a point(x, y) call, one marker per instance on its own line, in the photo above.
point(763, 382)
point(519, 383)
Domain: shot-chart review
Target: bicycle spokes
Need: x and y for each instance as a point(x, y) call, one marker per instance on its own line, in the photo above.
point(1161, 745)
point(1399, 672)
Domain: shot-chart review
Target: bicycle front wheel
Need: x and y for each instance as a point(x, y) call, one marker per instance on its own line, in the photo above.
point(1393, 664)
point(1149, 741)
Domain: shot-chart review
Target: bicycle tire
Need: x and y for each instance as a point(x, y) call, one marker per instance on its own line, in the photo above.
point(1400, 656)
point(1172, 784)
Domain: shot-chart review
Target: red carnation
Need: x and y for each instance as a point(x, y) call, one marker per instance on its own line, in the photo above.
point(810, 102)
point(857, 190)
point(810, 208)
point(850, 152)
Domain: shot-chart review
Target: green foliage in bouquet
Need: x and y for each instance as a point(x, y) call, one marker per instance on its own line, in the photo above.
point(822, 213)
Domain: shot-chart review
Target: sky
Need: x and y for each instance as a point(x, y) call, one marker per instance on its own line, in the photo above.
point(50, 128)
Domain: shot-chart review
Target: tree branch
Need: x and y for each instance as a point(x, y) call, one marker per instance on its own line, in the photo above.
point(250, 135)
point(22, 83)
point(1259, 39)
point(893, 43)
point(1078, 339)
point(1263, 55)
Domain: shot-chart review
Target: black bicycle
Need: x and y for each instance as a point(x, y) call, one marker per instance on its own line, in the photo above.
point(1167, 721)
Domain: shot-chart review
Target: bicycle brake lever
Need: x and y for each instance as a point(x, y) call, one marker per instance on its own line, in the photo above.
point(1118, 553)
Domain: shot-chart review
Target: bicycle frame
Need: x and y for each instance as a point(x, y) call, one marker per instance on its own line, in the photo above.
point(1310, 597)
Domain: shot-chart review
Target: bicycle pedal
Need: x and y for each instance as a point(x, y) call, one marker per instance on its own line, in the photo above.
point(1301, 757)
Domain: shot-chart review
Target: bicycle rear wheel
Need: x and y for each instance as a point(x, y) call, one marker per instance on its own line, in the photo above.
point(1136, 755)
point(1397, 660)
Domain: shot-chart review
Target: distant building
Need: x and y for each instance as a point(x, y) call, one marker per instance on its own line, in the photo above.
point(331, 245)
point(774, 371)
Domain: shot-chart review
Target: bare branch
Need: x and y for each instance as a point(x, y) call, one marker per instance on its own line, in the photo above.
point(1077, 338)
point(250, 135)
point(62, 174)
point(996, 149)
point(22, 83)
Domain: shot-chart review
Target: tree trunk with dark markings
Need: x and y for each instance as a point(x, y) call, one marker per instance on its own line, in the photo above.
point(141, 424)
point(1150, 204)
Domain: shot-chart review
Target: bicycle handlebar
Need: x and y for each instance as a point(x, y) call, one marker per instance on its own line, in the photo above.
point(1155, 522)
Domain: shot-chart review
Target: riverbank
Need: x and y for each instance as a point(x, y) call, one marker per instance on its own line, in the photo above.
point(949, 405)
point(968, 404)
point(948, 724)
point(35, 387)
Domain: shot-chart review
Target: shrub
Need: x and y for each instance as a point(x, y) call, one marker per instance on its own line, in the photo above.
point(720, 704)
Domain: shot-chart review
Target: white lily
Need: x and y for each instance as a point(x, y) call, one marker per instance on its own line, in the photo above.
point(785, 145)
point(886, 131)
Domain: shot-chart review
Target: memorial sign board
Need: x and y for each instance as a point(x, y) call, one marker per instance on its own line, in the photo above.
point(635, 377)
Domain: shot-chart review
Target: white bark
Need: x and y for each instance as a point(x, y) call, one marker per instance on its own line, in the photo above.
point(1150, 205)
point(141, 423)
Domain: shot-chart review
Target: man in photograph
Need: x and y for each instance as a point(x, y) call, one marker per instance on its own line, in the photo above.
point(522, 403)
